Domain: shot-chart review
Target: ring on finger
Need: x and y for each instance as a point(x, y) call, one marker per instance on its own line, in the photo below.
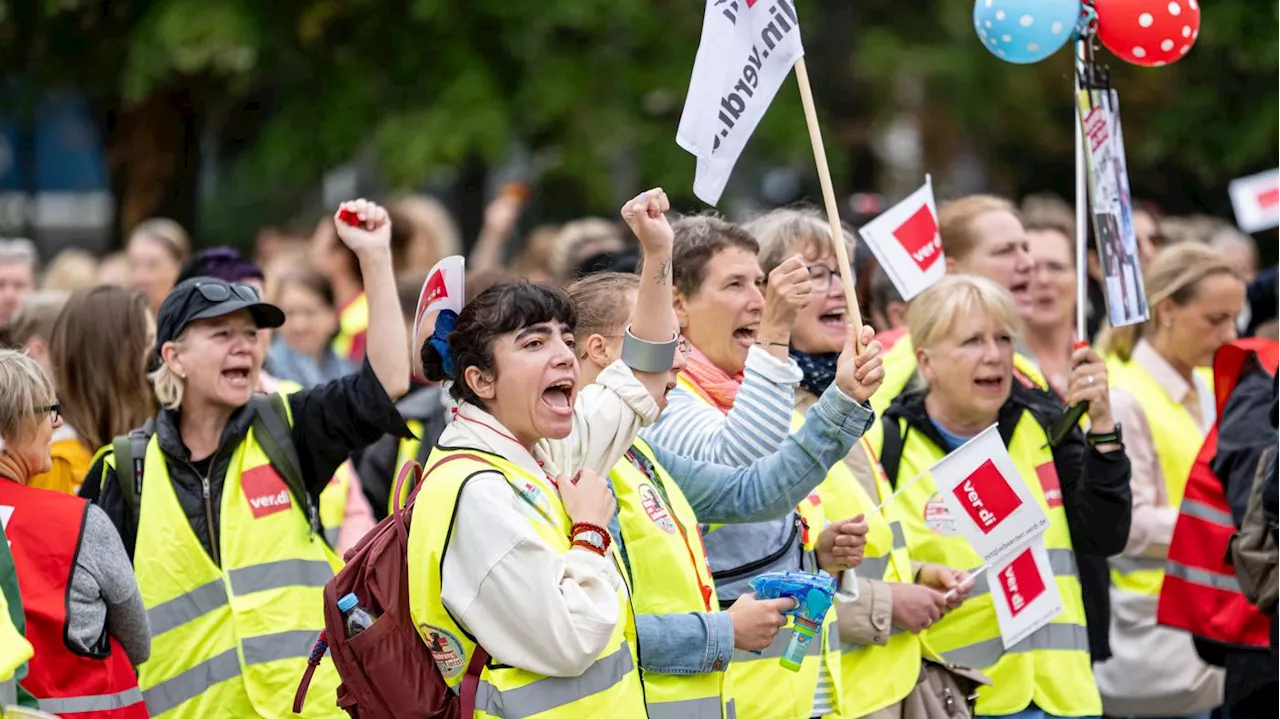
point(1091, 378)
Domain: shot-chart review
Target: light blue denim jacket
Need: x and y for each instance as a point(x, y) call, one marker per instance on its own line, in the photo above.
point(702, 642)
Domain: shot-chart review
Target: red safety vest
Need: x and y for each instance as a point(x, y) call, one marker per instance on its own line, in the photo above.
point(43, 528)
point(1200, 593)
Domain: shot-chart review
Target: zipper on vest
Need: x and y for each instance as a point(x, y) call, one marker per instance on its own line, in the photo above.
point(208, 506)
point(726, 575)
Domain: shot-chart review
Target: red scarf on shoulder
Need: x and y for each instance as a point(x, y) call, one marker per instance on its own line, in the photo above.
point(713, 383)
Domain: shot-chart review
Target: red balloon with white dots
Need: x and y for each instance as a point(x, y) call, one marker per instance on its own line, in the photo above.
point(1151, 33)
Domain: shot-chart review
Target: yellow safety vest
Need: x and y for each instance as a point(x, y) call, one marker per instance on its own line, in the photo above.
point(15, 650)
point(1051, 667)
point(333, 502)
point(758, 684)
point(668, 574)
point(352, 320)
point(609, 688)
point(1177, 439)
point(231, 641)
point(900, 364)
point(874, 677)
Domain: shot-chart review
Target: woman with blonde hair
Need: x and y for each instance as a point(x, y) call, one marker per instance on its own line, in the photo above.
point(101, 399)
point(70, 270)
point(982, 235)
point(157, 249)
point(1166, 408)
point(964, 329)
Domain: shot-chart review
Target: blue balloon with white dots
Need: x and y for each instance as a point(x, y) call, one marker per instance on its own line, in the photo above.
point(1024, 31)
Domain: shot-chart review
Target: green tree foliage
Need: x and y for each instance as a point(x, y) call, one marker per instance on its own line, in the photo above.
point(594, 88)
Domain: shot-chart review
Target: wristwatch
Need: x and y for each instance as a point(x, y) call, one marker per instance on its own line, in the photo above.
point(595, 539)
point(1112, 437)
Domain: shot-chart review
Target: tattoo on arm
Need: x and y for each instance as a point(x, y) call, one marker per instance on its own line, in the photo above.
point(663, 275)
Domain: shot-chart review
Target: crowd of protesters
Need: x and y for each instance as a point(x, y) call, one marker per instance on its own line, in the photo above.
point(681, 394)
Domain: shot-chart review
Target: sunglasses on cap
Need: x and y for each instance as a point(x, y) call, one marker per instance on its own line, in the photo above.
point(220, 292)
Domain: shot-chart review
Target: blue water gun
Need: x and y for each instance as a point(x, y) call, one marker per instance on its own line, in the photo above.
point(813, 594)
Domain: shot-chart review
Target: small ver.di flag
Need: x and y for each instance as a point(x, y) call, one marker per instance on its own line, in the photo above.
point(905, 240)
point(1024, 592)
point(1256, 200)
point(748, 48)
point(989, 503)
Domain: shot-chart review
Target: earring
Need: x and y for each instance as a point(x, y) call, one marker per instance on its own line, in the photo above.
point(1167, 324)
point(684, 323)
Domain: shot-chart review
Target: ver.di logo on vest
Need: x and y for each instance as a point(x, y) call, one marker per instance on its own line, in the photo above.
point(265, 491)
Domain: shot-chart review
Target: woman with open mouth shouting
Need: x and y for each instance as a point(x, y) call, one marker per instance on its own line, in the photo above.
point(511, 568)
point(217, 497)
point(733, 405)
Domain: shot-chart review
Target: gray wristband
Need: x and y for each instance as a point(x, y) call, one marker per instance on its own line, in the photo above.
point(644, 356)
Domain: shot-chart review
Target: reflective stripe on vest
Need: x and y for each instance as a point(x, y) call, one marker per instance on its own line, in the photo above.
point(609, 687)
point(1057, 637)
point(99, 703)
point(1051, 667)
point(1200, 594)
point(667, 573)
point(1176, 439)
point(549, 694)
point(231, 641)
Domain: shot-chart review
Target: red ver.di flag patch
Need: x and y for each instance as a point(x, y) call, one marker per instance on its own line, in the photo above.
point(987, 497)
point(919, 237)
point(265, 491)
point(1020, 582)
point(1048, 475)
point(1027, 596)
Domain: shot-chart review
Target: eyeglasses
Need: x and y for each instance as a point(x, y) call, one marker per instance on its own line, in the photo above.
point(821, 277)
point(54, 411)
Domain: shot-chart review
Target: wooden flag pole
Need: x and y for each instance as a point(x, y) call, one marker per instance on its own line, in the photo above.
point(829, 199)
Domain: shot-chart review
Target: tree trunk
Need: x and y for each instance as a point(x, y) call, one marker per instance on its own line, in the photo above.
point(153, 152)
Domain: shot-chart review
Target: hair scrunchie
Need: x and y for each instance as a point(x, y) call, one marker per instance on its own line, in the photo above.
point(439, 339)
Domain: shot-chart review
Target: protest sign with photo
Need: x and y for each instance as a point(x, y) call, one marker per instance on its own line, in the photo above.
point(905, 240)
point(1256, 201)
point(1024, 592)
point(747, 50)
point(1112, 207)
point(987, 500)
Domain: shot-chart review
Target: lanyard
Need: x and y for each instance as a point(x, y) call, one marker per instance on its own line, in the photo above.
point(642, 463)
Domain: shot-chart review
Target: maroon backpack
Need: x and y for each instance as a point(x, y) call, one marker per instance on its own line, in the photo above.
point(387, 671)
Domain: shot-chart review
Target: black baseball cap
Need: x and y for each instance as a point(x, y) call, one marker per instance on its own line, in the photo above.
point(202, 298)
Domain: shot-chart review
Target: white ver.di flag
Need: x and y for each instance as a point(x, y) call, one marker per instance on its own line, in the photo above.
point(906, 241)
point(748, 48)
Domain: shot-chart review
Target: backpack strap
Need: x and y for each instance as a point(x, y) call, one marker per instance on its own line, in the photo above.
point(130, 450)
point(891, 453)
point(271, 429)
point(471, 682)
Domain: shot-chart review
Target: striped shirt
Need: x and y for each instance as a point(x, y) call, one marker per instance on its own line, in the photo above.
point(755, 428)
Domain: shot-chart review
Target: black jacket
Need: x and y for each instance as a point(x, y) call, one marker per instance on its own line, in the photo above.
point(329, 422)
point(1095, 494)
